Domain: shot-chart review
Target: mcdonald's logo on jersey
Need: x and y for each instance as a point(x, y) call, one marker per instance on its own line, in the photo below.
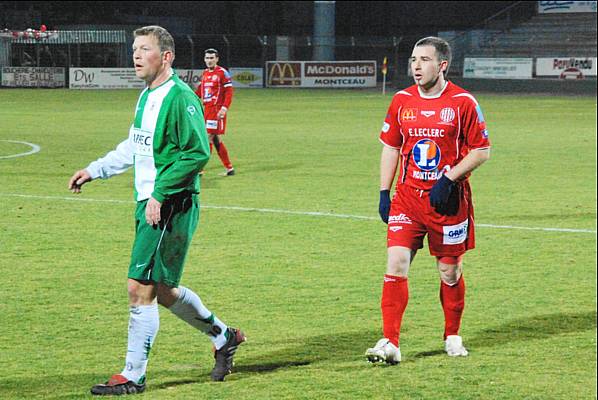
point(284, 73)
point(409, 114)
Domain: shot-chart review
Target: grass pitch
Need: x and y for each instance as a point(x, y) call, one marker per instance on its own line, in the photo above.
point(304, 287)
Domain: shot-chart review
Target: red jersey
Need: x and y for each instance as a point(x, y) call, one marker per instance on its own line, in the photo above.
point(216, 88)
point(432, 134)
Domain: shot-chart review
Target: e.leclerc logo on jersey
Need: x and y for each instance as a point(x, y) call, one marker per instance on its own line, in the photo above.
point(426, 155)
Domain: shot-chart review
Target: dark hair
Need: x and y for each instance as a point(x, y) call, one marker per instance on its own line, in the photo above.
point(164, 38)
point(211, 51)
point(443, 49)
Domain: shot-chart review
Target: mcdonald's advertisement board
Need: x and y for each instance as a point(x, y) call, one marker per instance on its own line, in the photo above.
point(321, 74)
point(283, 73)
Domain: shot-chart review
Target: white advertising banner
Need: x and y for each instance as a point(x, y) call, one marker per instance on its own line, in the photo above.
point(341, 74)
point(49, 77)
point(125, 78)
point(191, 77)
point(247, 77)
point(566, 66)
point(548, 7)
point(104, 78)
point(324, 74)
point(498, 68)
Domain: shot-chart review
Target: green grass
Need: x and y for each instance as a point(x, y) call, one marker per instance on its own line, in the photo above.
point(305, 288)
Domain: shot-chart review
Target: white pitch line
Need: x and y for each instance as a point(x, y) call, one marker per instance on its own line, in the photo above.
point(291, 212)
point(34, 149)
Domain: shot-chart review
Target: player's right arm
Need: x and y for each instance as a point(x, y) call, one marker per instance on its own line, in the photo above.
point(78, 179)
point(392, 140)
point(388, 167)
point(115, 162)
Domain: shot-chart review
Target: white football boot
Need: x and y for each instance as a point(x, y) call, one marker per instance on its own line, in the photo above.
point(384, 351)
point(453, 345)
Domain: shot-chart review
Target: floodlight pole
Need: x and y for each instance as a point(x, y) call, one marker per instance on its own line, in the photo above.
point(228, 60)
point(192, 52)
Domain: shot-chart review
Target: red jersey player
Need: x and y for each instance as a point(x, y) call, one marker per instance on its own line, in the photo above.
point(435, 134)
point(216, 93)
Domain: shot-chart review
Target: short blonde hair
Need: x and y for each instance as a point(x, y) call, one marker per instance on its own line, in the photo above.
point(164, 38)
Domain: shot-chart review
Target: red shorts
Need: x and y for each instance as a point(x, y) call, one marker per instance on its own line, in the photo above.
point(412, 217)
point(214, 125)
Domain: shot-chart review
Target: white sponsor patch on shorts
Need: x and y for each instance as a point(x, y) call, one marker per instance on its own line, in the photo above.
point(399, 219)
point(212, 124)
point(455, 234)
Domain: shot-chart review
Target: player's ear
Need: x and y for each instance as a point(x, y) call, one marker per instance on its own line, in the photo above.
point(168, 56)
point(443, 66)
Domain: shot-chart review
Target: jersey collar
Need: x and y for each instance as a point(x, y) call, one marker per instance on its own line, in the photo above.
point(423, 96)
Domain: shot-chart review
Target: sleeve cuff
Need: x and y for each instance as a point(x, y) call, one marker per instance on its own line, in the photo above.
point(159, 197)
point(387, 145)
point(94, 170)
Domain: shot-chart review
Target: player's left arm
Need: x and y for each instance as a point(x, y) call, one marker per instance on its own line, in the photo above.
point(476, 140)
point(199, 89)
point(188, 130)
point(227, 91)
point(474, 159)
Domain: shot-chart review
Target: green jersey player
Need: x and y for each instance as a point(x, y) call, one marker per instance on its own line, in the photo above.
point(167, 146)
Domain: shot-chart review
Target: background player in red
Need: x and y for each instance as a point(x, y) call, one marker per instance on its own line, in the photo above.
point(216, 93)
point(435, 134)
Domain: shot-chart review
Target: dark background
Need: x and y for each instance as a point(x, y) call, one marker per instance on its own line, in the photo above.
point(353, 18)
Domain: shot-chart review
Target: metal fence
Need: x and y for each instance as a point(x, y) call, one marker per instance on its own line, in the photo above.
point(113, 49)
point(67, 49)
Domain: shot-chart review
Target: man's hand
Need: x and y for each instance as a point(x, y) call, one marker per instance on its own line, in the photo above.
point(444, 196)
point(222, 112)
point(384, 205)
point(152, 211)
point(79, 179)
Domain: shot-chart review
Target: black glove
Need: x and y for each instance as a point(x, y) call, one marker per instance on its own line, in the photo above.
point(444, 196)
point(384, 206)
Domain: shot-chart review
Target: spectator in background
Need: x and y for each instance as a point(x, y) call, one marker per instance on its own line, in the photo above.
point(45, 57)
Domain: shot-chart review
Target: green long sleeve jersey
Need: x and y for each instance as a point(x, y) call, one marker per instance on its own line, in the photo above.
point(167, 143)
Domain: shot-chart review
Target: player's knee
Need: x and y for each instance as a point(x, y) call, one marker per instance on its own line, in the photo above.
point(450, 269)
point(140, 293)
point(167, 295)
point(451, 278)
point(398, 263)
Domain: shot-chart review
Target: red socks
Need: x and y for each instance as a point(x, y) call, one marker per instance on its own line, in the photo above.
point(452, 299)
point(223, 154)
point(395, 296)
